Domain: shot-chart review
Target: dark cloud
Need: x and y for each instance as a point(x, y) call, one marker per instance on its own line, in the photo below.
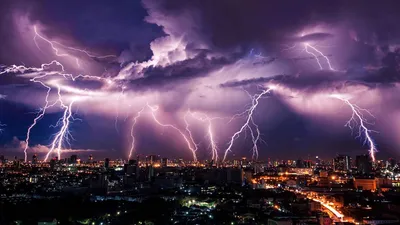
point(388, 74)
point(231, 23)
point(167, 77)
point(164, 46)
point(314, 37)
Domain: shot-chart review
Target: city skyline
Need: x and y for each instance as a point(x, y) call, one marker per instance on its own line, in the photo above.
point(179, 80)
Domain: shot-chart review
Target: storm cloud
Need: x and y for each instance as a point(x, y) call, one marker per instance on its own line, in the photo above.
point(206, 56)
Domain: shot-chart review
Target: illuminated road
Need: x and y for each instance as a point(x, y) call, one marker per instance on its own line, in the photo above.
point(330, 208)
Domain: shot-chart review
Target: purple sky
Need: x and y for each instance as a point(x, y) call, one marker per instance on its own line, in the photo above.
point(202, 56)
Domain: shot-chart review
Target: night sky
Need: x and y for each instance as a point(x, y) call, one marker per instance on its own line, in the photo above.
point(115, 67)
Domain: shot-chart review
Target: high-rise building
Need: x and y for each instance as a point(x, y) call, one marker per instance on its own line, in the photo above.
point(132, 170)
point(300, 163)
point(308, 163)
point(90, 159)
point(243, 161)
point(164, 162)
point(73, 159)
point(364, 164)
point(106, 163)
point(99, 183)
point(392, 162)
point(151, 159)
point(132, 162)
point(34, 159)
point(342, 163)
point(53, 163)
point(150, 173)
point(317, 160)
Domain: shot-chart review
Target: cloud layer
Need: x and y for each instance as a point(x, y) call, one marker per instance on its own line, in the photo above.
point(204, 56)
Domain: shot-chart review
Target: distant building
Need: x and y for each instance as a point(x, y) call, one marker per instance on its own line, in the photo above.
point(151, 159)
point(302, 171)
point(364, 164)
point(303, 163)
point(392, 162)
point(369, 184)
point(52, 163)
point(164, 162)
point(323, 173)
point(106, 163)
point(342, 163)
point(90, 159)
point(243, 161)
point(314, 206)
point(132, 169)
point(73, 159)
point(34, 159)
point(323, 179)
point(324, 219)
point(150, 173)
point(300, 163)
point(317, 160)
point(258, 168)
point(225, 176)
point(99, 183)
point(324, 182)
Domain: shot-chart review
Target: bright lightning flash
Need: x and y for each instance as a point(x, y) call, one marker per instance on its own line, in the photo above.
point(64, 133)
point(43, 72)
point(306, 48)
point(314, 52)
point(191, 145)
point(204, 118)
point(57, 51)
point(249, 120)
point(132, 135)
point(357, 119)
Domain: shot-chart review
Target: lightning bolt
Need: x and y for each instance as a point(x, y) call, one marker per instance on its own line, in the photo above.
point(54, 44)
point(255, 138)
point(43, 72)
point(306, 46)
point(22, 69)
point(204, 118)
point(189, 131)
point(314, 52)
point(249, 118)
point(191, 145)
point(40, 115)
point(132, 135)
point(358, 119)
point(64, 122)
